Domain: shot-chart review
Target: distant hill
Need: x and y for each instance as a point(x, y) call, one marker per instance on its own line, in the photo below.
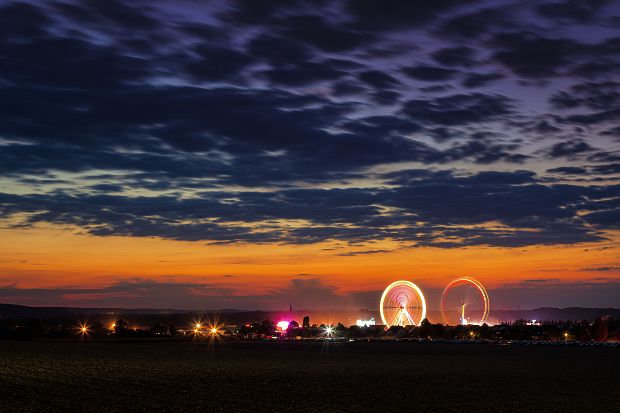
point(347, 317)
point(227, 315)
point(14, 310)
point(559, 314)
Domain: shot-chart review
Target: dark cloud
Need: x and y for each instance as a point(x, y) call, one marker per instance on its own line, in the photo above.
point(302, 74)
point(611, 268)
point(202, 31)
point(347, 88)
point(385, 97)
point(567, 170)
point(605, 157)
point(106, 12)
point(435, 88)
point(242, 12)
point(606, 169)
point(481, 197)
point(367, 252)
point(572, 10)
point(279, 50)
point(197, 120)
point(533, 56)
point(591, 95)
point(373, 125)
point(609, 219)
point(425, 206)
point(544, 127)
point(69, 63)
point(442, 134)
point(590, 104)
point(394, 14)
point(306, 293)
point(455, 56)
point(594, 118)
point(378, 79)
point(474, 80)
point(603, 169)
point(216, 63)
point(21, 21)
point(315, 31)
point(541, 280)
point(615, 132)
point(484, 152)
point(569, 148)
point(429, 73)
point(458, 109)
point(294, 96)
point(474, 25)
point(107, 188)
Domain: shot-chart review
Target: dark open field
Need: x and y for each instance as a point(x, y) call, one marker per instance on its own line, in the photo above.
point(255, 376)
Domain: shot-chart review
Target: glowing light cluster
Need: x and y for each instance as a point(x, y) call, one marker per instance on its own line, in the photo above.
point(365, 323)
point(282, 325)
point(402, 303)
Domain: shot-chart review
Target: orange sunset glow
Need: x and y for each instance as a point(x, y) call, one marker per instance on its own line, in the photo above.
point(57, 258)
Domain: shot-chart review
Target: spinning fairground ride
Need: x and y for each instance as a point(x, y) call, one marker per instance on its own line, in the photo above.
point(402, 304)
point(465, 301)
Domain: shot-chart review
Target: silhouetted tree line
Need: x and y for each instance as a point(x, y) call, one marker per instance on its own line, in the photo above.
point(600, 330)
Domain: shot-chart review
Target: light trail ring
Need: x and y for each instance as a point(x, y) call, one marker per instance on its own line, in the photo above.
point(402, 303)
point(481, 289)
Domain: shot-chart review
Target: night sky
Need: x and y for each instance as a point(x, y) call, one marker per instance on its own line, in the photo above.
point(251, 154)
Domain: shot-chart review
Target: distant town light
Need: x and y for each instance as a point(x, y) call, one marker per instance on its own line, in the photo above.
point(365, 323)
point(83, 329)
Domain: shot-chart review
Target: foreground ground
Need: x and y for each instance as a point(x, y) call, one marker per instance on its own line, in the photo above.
point(255, 376)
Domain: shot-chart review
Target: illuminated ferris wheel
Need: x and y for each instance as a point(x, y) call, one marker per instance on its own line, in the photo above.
point(402, 304)
point(465, 301)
